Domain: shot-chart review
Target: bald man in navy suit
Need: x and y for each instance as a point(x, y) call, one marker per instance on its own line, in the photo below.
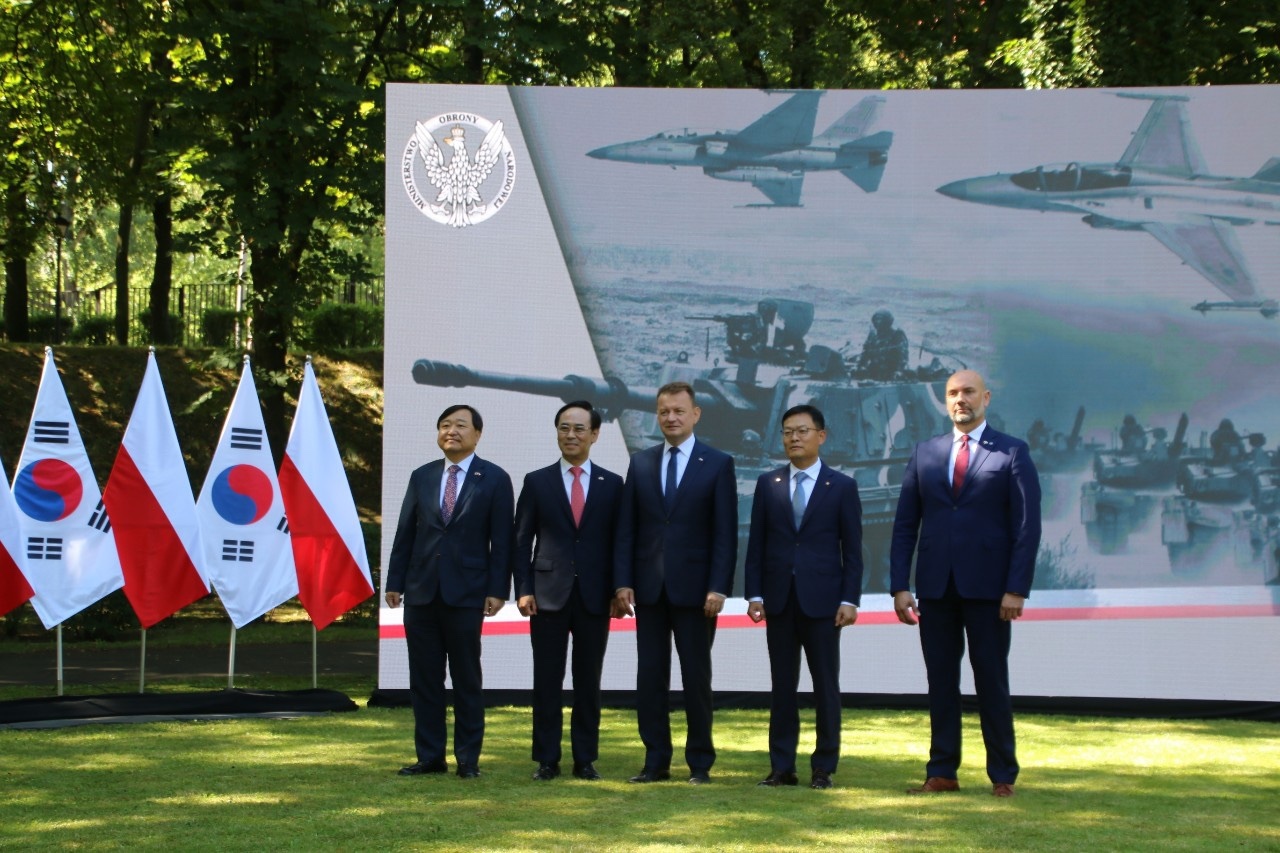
point(676, 553)
point(564, 584)
point(970, 511)
point(804, 576)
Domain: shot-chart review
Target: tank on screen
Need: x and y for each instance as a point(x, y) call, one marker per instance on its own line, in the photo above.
point(766, 367)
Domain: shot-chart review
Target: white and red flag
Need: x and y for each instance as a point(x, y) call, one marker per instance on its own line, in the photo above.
point(70, 555)
point(242, 523)
point(328, 546)
point(153, 514)
point(14, 589)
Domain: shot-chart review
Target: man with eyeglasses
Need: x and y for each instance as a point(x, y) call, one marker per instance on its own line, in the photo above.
point(450, 567)
point(565, 522)
point(804, 580)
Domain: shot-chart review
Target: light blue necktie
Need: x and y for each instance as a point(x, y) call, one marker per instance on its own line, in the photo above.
point(797, 498)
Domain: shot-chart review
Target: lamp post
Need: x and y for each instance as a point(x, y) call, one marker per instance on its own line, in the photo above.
point(61, 223)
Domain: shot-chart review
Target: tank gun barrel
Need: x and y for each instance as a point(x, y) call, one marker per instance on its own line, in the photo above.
point(611, 396)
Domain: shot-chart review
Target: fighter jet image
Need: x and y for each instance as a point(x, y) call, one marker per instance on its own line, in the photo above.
point(1161, 186)
point(775, 151)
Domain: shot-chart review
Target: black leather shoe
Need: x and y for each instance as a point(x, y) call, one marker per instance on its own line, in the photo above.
point(424, 767)
point(546, 772)
point(821, 779)
point(647, 775)
point(586, 770)
point(699, 777)
point(777, 779)
point(468, 771)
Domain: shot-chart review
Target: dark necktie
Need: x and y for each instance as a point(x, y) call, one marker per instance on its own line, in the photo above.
point(797, 498)
point(450, 493)
point(577, 498)
point(669, 493)
point(962, 466)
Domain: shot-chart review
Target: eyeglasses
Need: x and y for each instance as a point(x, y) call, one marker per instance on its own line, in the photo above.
point(573, 429)
point(798, 432)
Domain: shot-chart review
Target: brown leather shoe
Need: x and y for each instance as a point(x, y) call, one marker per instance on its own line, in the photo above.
point(1002, 789)
point(935, 785)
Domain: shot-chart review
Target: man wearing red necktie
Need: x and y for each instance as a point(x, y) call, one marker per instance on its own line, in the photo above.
point(970, 512)
point(565, 521)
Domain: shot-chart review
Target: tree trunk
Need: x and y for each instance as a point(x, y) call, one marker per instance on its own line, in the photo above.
point(123, 231)
point(162, 331)
point(16, 306)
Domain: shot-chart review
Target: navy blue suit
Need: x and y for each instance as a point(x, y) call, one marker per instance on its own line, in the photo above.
point(804, 574)
point(672, 561)
point(970, 550)
point(444, 572)
point(569, 571)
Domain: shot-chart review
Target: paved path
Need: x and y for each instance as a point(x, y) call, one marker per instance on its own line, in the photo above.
point(106, 664)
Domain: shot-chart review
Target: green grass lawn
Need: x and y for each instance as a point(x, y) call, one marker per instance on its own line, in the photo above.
point(329, 783)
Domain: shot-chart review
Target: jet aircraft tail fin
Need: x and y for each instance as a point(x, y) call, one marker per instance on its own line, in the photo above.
point(1269, 172)
point(852, 125)
point(869, 155)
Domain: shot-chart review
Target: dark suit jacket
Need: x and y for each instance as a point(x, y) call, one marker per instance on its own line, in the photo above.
point(694, 550)
point(550, 551)
point(824, 554)
point(987, 537)
point(467, 559)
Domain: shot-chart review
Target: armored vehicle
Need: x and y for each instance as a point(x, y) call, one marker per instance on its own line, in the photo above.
point(767, 368)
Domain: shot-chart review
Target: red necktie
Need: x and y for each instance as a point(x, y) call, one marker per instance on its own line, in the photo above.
point(450, 493)
point(962, 466)
point(577, 500)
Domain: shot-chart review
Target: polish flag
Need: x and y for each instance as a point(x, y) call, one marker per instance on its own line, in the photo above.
point(243, 529)
point(328, 546)
point(153, 514)
point(14, 589)
point(70, 558)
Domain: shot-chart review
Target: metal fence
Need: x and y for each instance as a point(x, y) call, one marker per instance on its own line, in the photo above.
point(191, 307)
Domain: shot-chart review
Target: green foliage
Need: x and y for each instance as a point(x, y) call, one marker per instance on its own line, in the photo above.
point(41, 327)
point(337, 326)
point(218, 326)
point(112, 618)
point(95, 329)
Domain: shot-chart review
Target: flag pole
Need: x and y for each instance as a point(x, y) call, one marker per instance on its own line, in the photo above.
point(142, 665)
point(231, 662)
point(314, 635)
point(59, 658)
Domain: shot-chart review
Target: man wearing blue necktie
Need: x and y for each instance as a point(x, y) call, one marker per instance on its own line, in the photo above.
point(970, 512)
point(676, 552)
point(804, 579)
point(450, 567)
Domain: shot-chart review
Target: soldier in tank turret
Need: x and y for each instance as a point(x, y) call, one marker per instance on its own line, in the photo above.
point(1226, 444)
point(1133, 438)
point(885, 351)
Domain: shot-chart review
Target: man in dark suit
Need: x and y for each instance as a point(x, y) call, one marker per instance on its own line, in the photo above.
point(565, 523)
point(450, 566)
point(971, 500)
point(804, 576)
point(677, 548)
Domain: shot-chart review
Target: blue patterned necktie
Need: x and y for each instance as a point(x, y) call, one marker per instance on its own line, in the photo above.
point(450, 493)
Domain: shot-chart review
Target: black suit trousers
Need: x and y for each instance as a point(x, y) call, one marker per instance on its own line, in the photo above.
point(694, 633)
point(788, 632)
point(549, 633)
point(437, 634)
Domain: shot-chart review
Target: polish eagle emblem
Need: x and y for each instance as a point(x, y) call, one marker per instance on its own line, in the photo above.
point(459, 178)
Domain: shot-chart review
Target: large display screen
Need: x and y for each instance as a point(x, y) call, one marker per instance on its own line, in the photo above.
point(1102, 257)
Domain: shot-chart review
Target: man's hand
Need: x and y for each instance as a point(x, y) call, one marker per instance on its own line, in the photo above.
point(846, 615)
point(625, 600)
point(756, 611)
point(528, 606)
point(492, 605)
point(904, 604)
point(1011, 606)
point(393, 600)
point(713, 605)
